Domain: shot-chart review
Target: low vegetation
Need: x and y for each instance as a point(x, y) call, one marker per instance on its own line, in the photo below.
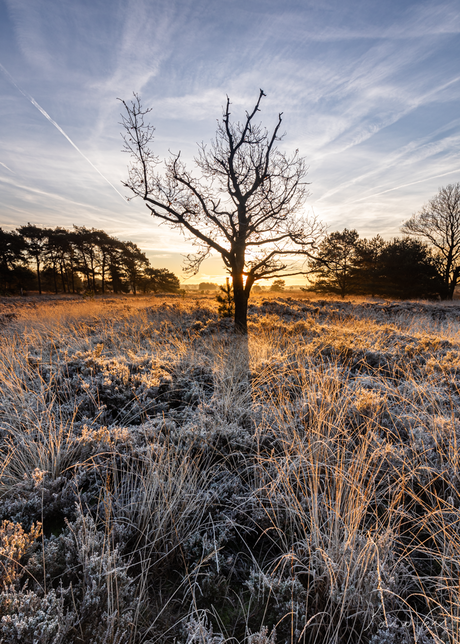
point(165, 480)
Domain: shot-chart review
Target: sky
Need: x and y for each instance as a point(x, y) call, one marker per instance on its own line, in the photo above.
point(369, 90)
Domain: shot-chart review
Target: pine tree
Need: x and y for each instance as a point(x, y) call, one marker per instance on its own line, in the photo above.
point(226, 302)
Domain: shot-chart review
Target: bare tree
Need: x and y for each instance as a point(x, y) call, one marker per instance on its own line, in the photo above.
point(245, 204)
point(439, 223)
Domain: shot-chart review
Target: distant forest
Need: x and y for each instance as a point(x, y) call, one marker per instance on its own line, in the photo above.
point(89, 260)
point(403, 268)
point(72, 261)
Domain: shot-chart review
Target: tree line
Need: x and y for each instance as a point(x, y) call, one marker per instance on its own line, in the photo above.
point(423, 264)
point(402, 268)
point(80, 259)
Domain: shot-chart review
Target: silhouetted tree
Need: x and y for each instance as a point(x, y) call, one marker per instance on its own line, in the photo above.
point(116, 269)
point(367, 270)
point(158, 280)
point(56, 255)
point(13, 272)
point(225, 299)
point(245, 205)
point(438, 222)
point(134, 263)
point(85, 255)
point(71, 260)
point(334, 263)
point(408, 270)
point(107, 246)
point(278, 285)
point(36, 240)
point(208, 286)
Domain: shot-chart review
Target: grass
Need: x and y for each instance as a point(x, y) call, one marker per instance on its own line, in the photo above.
point(163, 480)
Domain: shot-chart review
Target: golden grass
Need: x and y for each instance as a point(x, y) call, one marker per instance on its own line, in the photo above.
point(307, 480)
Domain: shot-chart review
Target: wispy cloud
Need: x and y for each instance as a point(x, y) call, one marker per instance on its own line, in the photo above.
point(58, 127)
point(21, 187)
point(369, 93)
point(406, 185)
point(5, 166)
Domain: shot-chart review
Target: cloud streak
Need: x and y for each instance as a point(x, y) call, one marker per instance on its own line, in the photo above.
point(405, 185)
point(51, 195)
point(5, 166)
point(58, 127)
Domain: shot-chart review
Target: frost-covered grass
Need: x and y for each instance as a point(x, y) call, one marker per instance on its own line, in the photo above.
point(163, 480)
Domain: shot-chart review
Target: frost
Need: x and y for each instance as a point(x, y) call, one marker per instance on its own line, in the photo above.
point(163, 480)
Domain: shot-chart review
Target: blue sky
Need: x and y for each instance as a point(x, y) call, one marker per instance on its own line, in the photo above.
point(369, 90)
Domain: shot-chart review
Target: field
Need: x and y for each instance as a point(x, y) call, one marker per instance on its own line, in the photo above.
point(163, 480)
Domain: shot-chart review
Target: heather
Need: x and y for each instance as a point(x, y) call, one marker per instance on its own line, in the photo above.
point(164, 479)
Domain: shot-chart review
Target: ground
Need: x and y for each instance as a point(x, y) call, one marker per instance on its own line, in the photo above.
point(165, 480)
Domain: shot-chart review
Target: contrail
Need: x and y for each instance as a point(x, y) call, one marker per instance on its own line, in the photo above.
point(47, 116)
point(5, 166)
point(377, 194)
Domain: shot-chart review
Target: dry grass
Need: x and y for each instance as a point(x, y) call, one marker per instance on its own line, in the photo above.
point(303, 486)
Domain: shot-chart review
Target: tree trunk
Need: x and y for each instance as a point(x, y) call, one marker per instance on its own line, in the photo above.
point(104, 269)
point(241, 305)
point(93, 276)
point(453, 282)
point(55, 278)
point(38, 276)
point(72, 274)
point(61, 270)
